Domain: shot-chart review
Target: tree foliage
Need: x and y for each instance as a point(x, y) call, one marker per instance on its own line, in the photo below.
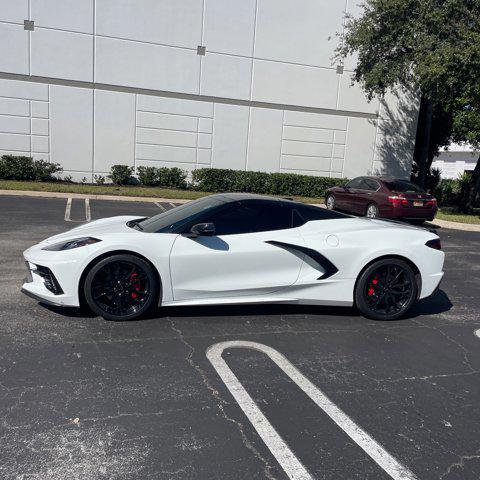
point(428, 46)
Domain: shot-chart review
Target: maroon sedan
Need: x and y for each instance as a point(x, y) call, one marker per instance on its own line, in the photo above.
point(383, 197)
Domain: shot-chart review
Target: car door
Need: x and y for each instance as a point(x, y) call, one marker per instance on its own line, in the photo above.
point(248, 255)
point(362, 195)
point(351, 189)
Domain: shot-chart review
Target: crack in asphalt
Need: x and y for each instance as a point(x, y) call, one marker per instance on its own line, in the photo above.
point(219, 401)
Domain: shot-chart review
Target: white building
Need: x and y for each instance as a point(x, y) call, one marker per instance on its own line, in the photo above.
point(241, 84)
point(456, 160)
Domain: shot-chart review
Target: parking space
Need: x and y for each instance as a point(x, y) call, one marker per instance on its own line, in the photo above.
point(84, 398)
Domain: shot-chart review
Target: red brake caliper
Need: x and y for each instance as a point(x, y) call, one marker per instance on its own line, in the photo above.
point(133, 277)
point(371, 290)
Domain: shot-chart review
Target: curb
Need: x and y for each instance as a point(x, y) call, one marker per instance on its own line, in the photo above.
point(120, 198)
point(466, 227)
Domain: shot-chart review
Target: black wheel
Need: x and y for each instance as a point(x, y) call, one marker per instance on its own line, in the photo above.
point(386, 290)
point(330, 202)
point(372, 211)
point(121, 287)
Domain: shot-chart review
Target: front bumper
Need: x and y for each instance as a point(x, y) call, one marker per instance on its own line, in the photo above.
point(60, 273)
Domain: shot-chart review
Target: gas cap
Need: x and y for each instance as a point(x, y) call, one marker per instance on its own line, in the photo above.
point(332, 240)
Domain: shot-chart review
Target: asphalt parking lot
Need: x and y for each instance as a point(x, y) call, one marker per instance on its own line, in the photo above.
point(84, 398)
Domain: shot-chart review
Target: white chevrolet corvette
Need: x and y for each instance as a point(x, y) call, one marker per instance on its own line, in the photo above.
point(236, 248)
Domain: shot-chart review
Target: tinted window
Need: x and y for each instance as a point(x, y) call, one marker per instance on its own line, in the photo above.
point(403, 186)
point(355, 183)
point(169, 221)
point(306, 213)
point(371, 185)
point(249, 217)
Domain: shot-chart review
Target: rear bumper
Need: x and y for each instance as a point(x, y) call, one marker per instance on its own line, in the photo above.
point(408, 213)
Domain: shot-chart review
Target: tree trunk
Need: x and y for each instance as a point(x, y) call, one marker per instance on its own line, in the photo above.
point(423, 160)
point(471, 191)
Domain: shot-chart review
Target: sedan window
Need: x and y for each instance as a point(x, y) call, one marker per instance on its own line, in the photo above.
point(355, 183)
point(403, 186)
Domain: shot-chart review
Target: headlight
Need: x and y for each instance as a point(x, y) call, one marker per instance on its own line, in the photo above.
point(77, 242)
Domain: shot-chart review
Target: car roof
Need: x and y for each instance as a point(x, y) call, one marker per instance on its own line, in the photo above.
point(235, 197)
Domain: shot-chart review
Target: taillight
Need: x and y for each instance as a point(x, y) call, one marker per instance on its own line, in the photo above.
point(431, 203)
point(398, 201)
point(435, 243)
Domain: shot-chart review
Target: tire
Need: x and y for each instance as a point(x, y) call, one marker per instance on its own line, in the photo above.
point(386, 290)
point(121, 287)
point(330, 202)
point(372, 211)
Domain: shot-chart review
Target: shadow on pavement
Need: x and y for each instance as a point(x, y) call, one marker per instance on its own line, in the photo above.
point(437, 303)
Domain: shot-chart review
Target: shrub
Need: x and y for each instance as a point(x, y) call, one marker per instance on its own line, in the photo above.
point(99, 179)
point(163, 177)
point(223, 180)
point(25, 168)
point(147, 176)
point(172, 177)
point(121, 174)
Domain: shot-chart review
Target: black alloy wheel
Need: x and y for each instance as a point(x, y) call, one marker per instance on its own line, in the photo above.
point(121, 287)
point(386, 290)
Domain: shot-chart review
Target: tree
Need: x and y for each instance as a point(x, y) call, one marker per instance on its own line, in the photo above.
point(428, 46)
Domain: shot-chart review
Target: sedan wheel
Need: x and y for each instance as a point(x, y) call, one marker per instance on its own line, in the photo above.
point(330, 202)
point(121, 287)
point(372, 211)
point(386, 290)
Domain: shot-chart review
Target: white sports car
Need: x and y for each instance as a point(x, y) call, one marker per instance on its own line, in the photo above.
point(236, 248)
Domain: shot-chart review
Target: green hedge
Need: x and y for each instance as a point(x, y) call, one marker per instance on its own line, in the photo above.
point(223, 180)
point(25, 168)
point(162, 177)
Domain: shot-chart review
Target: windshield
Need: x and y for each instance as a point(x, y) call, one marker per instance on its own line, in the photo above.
point(176, 217)
point(404, 186)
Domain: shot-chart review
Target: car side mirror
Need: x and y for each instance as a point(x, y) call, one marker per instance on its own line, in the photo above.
point(201, 230)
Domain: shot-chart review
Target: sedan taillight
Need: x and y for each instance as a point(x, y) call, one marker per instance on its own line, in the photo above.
point(435, 243)
point(431, 203)
point(398, 201)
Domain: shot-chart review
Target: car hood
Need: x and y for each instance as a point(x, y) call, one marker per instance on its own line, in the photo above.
point(97, 228)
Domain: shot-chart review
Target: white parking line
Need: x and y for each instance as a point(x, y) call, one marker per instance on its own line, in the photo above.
point(280, 450)
point(88, 215)
point(160, 206)
point(172, 204)
point(68, 209)
point(477, 332)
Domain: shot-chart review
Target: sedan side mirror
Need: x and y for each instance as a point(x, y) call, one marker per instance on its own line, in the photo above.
point(201, 230)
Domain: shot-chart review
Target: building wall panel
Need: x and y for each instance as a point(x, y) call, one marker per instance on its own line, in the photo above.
point(63, 55)
point(294, 85)
point(14, 106)
point(71, 121)
point(298, 32)
point(226, 76)
point(13, 49)
point(143, 65)
point(13, 10)
point(175, 23)
point(230, 136)
point(72, 15)
point(229, 26)
point(114, 129)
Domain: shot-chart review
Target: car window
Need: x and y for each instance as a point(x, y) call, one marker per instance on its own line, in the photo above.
point(170, 221)
point(403, 186)
point(355, 183)
point(371, 185)
point(307, 213)
point(250, 217)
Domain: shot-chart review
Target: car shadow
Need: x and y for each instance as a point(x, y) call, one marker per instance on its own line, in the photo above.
point(437, 303)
